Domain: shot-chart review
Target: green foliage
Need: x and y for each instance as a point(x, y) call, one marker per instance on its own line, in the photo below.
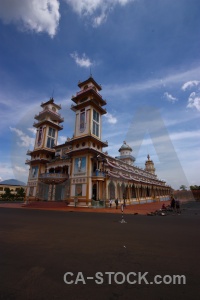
point(20, 193)
point(195, 187)
point(7, 194)
point(183, 187)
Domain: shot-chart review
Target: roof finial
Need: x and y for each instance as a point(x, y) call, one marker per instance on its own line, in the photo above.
point(90, 71)
point(52, 95)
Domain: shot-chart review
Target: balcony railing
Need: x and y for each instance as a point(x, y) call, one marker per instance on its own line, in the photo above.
point(50, 111)
point(98, 173)
point(44, 120)
point(59, 105)
point(53, 175)
point(28, 152)
point(125, 156)
point(53, 178)
point(89, 88)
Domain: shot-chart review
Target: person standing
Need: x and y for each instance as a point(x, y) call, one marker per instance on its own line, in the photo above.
point(117, 202)
point(178, 209)
point(173, 203)
point(124, 198)
point(110, 203)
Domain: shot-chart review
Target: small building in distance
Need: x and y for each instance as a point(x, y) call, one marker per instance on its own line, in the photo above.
point(80, 169)
point(13, 184)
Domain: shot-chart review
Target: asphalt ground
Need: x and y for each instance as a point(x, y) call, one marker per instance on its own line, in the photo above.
point(38, 247)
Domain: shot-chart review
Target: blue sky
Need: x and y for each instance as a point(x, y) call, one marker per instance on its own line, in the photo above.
point(146, 56)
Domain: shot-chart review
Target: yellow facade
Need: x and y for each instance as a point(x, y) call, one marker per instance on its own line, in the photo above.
point(80, 170)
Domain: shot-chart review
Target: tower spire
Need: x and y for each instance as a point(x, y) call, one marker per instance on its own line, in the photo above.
point(149, 165)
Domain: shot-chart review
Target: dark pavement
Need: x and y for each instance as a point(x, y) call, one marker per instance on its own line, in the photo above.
point(38, 247)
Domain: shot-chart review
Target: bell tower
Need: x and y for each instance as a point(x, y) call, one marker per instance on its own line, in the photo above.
point(149, 165)
point(87, 144)
point(47, 126)
point(89, 110)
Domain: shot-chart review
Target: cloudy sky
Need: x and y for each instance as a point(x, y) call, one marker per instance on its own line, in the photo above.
point(146, 56)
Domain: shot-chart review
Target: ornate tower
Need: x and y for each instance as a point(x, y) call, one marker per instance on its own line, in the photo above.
point(149, 165)
point(86, 144)
point(89, 110)
point(125, 154)
point(47, 125)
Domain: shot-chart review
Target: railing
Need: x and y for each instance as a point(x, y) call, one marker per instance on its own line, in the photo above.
point(53, 101)
point(44, 120)
point(49, 110)
point(98, 173)
point(53, 175)
point(89, 88)
point(28, 161)
point(125, 156)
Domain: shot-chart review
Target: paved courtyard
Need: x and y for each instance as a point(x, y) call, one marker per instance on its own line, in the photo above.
point(38, 247)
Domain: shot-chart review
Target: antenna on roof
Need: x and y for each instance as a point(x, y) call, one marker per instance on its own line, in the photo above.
point(90, 71)
point(52, 94)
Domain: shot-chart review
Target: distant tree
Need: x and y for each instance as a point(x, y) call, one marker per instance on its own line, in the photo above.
point(20, 193)
point(7, 194)
point(183, 187)
point(195, 187)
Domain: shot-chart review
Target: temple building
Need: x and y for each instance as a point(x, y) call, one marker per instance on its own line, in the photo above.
point(80, 170)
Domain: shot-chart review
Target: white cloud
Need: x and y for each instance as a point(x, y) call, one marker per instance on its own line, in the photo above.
point(36, 15)
point(97, 10)
point(194, 98)
point(173, 79)
point(123, 2)
point(19, 169)
point(14, 171)
point(6, 171)
point(85, 7)
point(190, 84)
point(194, 101)
point(33, 130)
point(25, 140)
point(185, 135)
point(175, 136)
point(83, 61)
point(110, 118)
point(169, 97)
point(97, 21)
point(61, 140)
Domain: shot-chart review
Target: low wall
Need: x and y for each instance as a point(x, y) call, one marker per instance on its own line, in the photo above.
point(185, 195)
